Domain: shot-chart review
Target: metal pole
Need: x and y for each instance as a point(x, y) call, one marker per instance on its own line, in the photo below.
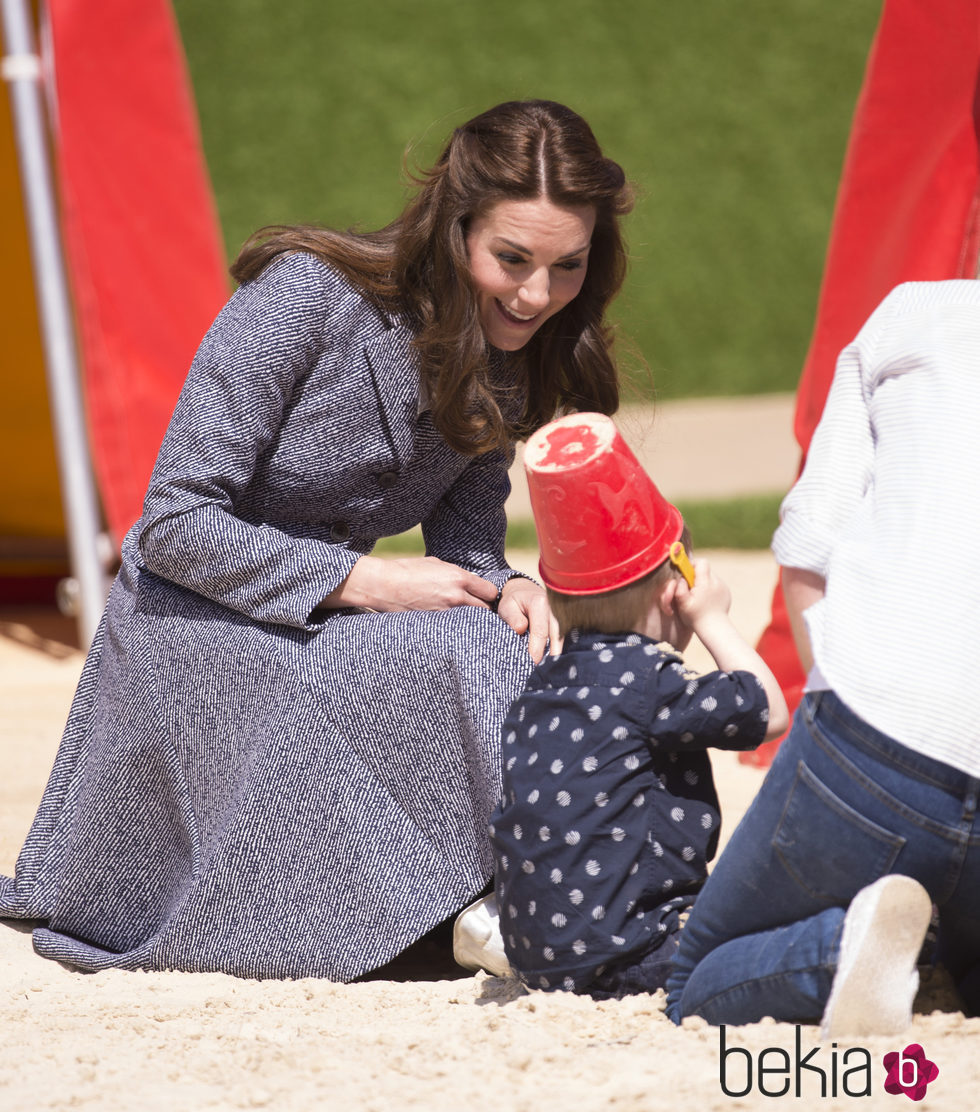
point(21, 69)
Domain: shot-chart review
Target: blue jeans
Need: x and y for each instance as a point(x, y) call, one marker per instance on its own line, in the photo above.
point(841, 806)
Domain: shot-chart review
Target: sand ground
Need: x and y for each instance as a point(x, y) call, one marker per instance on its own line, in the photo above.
point(423, 1034)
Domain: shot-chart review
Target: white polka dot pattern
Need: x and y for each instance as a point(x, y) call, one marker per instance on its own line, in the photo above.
point(643, 717)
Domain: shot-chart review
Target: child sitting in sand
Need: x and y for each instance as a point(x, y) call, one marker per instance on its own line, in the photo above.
point(609, 813)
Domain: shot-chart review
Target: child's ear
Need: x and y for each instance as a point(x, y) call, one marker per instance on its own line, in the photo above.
point(667, 596)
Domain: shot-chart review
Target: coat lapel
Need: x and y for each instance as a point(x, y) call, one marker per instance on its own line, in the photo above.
point(394, 367)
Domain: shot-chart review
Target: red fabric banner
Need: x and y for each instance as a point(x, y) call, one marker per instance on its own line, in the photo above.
point(907, 209)
point(143, 246)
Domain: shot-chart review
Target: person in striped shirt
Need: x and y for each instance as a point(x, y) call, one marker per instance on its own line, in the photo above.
point(819, 906)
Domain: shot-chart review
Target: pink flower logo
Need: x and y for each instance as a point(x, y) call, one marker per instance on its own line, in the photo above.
point(909, 1072)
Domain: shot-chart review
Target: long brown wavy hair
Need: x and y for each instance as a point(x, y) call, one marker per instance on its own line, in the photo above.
point(418, 267)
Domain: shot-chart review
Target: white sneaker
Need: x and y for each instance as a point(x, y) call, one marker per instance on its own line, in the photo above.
point(477, 941)
point(877, 979)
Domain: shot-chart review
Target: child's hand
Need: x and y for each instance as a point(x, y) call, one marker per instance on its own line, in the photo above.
point(704, 609)
point(709, 597)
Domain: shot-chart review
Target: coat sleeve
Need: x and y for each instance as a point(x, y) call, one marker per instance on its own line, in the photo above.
point(468, 526)
point(229, 413)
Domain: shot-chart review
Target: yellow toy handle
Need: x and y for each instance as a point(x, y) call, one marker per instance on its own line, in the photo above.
point(679, 558)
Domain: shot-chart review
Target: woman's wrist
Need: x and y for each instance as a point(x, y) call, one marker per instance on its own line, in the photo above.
point(354, 589)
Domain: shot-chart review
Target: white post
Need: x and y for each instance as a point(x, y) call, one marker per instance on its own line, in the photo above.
point(21, 69)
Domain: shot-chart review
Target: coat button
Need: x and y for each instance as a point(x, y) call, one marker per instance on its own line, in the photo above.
point(340, 532)
point(388, 479)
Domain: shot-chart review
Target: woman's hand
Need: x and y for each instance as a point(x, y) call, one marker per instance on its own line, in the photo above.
point(524, 607)
point(410, 583)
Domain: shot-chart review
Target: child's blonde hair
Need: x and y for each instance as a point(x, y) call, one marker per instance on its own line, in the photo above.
point(614, 611)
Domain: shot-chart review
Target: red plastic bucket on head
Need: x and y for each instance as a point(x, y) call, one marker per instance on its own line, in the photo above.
point(602, 523)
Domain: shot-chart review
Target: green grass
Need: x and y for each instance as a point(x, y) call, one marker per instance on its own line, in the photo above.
point(731, 118)
point(745, 523)
point(739, 523)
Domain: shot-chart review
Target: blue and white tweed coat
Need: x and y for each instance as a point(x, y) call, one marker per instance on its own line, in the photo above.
point(246, 784)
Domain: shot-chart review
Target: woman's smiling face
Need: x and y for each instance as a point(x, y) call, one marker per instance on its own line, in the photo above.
point(528, 260)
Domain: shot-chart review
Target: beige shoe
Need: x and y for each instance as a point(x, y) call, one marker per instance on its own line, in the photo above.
point(877, 979)
point(477, 941)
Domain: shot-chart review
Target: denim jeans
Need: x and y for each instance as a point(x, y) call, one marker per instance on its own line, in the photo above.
point(841, 806)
